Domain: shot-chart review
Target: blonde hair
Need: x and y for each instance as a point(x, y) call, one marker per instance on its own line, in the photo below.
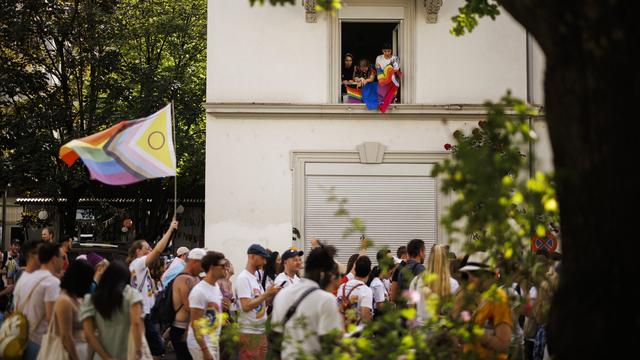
point(438, 264)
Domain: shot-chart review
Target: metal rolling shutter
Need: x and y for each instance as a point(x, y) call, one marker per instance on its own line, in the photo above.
point(394, 208)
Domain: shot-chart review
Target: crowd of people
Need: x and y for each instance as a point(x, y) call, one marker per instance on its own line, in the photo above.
point(91, 308)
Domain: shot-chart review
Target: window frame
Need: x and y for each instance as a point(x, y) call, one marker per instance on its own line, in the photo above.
point(403, 12)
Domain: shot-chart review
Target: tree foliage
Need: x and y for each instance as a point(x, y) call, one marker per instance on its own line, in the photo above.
point(70, 69)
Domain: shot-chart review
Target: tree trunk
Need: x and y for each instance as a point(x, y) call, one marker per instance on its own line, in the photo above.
point(592, 83)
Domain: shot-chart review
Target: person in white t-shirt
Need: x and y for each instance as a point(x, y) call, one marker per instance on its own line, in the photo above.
point(357, 292)
point(316, 317)
point(377, 279)
point(36, 293)
point(292, 264)
point(141, 255)
point(205, 302)
point(252, 300)
point(387, 58)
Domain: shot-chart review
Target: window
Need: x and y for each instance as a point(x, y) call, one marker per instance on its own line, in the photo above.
point(364, 41)
point(392, 20)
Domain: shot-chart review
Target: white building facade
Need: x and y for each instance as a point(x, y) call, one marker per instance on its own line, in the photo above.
point(283, 151)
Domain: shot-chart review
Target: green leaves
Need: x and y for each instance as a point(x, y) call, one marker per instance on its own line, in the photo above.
point(467, 18)
point(497, 206)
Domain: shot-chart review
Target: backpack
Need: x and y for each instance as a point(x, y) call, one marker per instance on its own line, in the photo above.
point(14, 332)
point(162, 311)
point(346, 304)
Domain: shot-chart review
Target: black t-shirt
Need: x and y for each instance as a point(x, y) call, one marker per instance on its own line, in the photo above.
point(410, 270)
point(347, 73)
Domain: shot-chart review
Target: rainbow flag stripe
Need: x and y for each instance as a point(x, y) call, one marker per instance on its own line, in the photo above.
point(354, 93)
point(388, 75)
point(127, 152)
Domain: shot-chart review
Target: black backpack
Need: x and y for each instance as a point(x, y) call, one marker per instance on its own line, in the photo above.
point(162, 311)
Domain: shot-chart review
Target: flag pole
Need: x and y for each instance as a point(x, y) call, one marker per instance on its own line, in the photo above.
point(175, 146)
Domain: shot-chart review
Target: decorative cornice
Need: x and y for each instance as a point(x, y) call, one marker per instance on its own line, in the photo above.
point(311, 14)
point(432, 8)
point(359, 111)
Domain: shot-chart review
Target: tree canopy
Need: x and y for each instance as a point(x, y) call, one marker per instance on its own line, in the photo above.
point(70, 69)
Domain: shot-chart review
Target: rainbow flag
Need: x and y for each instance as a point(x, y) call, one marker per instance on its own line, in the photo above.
point(354, 93)
point(127, 152)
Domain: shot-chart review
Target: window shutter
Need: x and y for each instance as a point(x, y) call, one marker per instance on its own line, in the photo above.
point(394, 209)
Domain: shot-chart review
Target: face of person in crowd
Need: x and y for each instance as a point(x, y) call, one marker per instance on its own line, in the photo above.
point(293, 264)
point(228, 270)
point(348, 61)
point(46, 235)
point(387, 53)
point(363, 66)
point(219, 269)
point(422, 253)
point(144, 250)
point(15, 248)
point(258, 261)
point(278, 262)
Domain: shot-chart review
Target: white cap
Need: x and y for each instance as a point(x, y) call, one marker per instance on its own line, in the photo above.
point(196, 254)
point(182, 250)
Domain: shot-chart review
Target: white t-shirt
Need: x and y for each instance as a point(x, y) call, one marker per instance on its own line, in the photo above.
point(387, 284)
point(208, 298)
point(284, 278)
point(141, 281)
point(248, 287)
point(381, 62)
point(47, 290)
point(380, 293)
point(319, 311)
point(362, 294)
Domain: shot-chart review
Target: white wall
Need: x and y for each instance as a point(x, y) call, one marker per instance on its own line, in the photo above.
point(270, 54)
point(265, 54)
point(249, 181)
point(472, 68)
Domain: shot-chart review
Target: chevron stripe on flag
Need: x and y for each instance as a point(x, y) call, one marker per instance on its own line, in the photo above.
point(145, 146)
point(127, 152)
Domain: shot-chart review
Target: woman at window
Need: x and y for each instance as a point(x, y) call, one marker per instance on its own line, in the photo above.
point(347, 72)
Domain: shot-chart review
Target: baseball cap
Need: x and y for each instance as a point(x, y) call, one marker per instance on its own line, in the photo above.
point(196, 254)
point(256, 249)
point(182, 250)
point(291, 253)
point(94, 259)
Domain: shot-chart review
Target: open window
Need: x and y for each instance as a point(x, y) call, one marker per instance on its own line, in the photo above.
point(364, 39)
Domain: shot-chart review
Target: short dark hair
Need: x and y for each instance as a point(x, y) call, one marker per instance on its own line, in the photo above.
point(414, 247)
point(47, 251)
point(402, 251)
point(363, 266)
point(30, 247)
point(49, 230)
point(212, 258)
point(64, 238)
point(386, 46)
point(382, 254)
point(78, 278)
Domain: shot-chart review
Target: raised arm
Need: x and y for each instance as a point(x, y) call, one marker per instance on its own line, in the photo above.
point(162, 244)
